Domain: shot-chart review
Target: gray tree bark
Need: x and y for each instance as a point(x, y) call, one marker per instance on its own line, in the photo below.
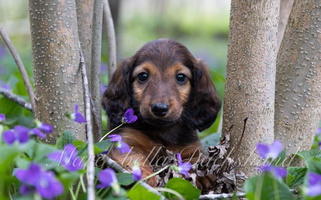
point(250, 78)
point(57, 78)
point(95, 66)
point(85, 18)
point(298, 78)
point(285, 9)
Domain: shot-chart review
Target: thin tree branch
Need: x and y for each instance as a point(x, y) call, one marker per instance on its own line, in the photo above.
point(111, 40)
point(15, 98)
point(221, 196)
point(19, 63)
point(96, 63)
point(90, 137)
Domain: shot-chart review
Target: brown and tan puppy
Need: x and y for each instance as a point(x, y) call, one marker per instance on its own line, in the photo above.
point(173, 97)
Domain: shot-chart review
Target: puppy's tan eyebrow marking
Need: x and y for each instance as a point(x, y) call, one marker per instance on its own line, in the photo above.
point(145, 67)
point(179, 68)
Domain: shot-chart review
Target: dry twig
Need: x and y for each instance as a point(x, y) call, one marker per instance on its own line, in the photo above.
point(15, 98)
point(95, 64)
point(90, 137)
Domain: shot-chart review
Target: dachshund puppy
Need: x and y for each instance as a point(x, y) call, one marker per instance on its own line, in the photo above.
point(172, 95)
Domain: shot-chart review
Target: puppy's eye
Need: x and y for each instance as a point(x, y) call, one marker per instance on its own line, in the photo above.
point(142, 77)
point(181, 79)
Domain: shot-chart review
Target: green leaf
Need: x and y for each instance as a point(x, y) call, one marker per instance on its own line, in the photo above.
point(42, 150)
point(79, 144)
point(68, 179)
point(295, 176)
point(66, 138)
point(218, 77)
point(314, 165)
point(9, 153)
point(22, 162)
point(307, 155)
point(266, 187)
point(125, 179)
point(24, 197)
point(11, 110)
point(102, 146)
point(112, 197)
point(185, 188)
point(139, 192)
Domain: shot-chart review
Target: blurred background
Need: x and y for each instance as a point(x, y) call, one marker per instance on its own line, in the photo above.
point(201, 25)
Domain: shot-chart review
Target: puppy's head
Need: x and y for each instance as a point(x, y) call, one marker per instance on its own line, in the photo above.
point(165, 85)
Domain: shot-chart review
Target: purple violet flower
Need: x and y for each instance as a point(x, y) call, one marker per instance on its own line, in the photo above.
point(136, 172)
point(77, 116)
point(277, 172)
point(318, 131)
point(182, 168)
point(43, 181)
point(3, 51)
point(103, 68)
point(47, 128)
point(314, 188)
point(119, 144)
point(37, 132)
point(41, 127)
point(19, 133)
point(68, 158)
point(269, 151)
point(2, 118)
point(103, 88)
point(26, 189)
point(107, 178)
point(5, 86)
point(129, 116)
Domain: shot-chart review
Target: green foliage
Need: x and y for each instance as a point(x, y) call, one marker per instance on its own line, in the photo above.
point(266, 187)
point(139, 192)
point(295, 176)
point(10, 75)
point(66, 138)
point(183, 187)
point(102, 146)
point(125, 179)
point(308, 155)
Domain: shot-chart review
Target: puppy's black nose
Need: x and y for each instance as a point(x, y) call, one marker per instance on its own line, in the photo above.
point(160, 109)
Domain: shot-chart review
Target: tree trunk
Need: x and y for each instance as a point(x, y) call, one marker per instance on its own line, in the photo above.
point(250, 78)
point(298, 78)
point(57, 78)
point(85, 18)
point(285, 9)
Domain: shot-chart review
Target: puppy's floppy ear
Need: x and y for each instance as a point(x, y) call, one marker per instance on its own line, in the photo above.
point(204, 103)
point(117, 97)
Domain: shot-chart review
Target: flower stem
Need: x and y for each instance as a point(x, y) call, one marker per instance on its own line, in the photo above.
point(105, 191)
point(111, 131)
point(170, 191)
point(78, 186)
point(154, 174)
point(83, 184)
point(73, 197)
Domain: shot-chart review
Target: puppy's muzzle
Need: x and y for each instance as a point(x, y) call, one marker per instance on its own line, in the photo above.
point(160, 109)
